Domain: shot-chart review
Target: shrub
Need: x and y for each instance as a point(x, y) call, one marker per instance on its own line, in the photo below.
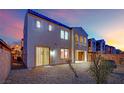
point(100, 70)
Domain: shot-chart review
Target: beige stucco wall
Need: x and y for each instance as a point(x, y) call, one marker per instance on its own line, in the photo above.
point(5, 64)
point(115, 57)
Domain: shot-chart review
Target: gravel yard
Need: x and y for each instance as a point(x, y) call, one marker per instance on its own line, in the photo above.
point(59, 74)
point(117, 77)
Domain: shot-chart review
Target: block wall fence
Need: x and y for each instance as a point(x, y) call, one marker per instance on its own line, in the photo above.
point(5, 64)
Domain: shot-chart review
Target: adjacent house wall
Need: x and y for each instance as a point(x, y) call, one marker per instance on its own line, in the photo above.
point(91, 45)
point(83, 47)
point(5, 64)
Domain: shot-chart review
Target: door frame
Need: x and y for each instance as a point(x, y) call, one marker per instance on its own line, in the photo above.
point(76, 54)
point(35, 54)
point(80, 53)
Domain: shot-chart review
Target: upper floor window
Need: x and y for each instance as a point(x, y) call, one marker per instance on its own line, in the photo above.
point(50, 27)
point(76, 37)
point(81, 40)
point(85, 40)
point(89, 43)
point(64, 35)
point(38, 24)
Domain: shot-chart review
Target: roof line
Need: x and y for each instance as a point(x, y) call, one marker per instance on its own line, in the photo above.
point(4, 43)
point(45, 17)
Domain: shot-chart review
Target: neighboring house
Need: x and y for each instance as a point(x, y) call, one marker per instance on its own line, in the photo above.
point(113, 50)
point(16, 51)
point(110, 49)
point(91, 49)
point(118, 51)
point(47, 41)
point(107, 49)
point(79, 45)
point(5, 60)
point(100, 46)
point(91, 45)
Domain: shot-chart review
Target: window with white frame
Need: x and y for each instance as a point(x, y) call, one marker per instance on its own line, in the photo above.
point(50, 27)
point(64, 35)
point(64, 54)
point(38, 24)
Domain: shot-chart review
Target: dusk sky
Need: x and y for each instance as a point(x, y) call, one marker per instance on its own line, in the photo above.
point(99, 24)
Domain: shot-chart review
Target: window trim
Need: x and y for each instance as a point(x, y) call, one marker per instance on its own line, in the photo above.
point(76, 39)
point(85, 40)
point(66, 37)
point(64, 54)
point(81, 40)
point(38, 24)
point(62, 34)
point(50, 27)
point(65, 32)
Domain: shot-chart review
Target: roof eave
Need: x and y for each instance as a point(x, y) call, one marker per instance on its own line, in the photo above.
point(46, 18)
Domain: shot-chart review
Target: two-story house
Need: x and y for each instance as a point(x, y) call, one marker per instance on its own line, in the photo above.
point(79, 45)
point(100, 46)
point(91, 49)
point(47, 41)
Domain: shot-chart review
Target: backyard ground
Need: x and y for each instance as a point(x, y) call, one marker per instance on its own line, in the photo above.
point(60, 74)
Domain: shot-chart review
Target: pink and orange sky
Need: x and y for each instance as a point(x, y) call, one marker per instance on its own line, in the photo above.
point(100, 24)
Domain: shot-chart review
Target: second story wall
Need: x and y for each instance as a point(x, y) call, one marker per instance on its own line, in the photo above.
point(43, 35)
point(80, 38)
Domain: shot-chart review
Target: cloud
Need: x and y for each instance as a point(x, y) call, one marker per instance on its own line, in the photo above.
point(63, 15)
point(10, 25)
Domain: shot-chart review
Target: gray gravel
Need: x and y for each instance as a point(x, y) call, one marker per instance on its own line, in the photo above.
point(59, 74)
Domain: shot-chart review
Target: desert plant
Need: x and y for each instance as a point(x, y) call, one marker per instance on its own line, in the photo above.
point(100, 70)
